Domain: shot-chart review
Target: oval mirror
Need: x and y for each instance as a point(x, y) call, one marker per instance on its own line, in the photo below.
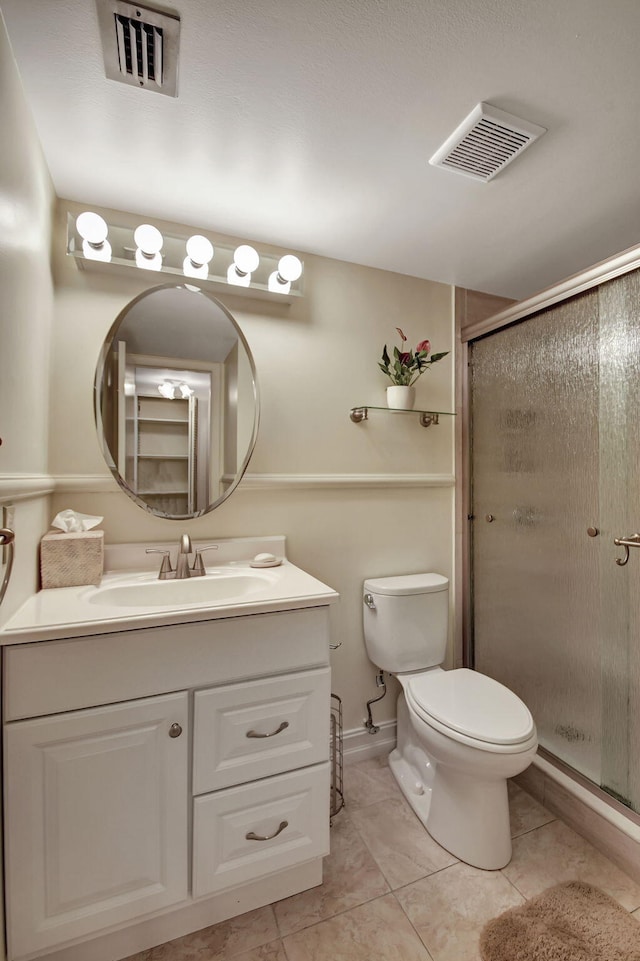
point(176, 401)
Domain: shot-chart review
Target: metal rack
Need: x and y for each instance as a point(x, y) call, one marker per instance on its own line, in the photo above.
point(335, 756)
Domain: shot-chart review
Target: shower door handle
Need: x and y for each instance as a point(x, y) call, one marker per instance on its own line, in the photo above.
point(632, 541)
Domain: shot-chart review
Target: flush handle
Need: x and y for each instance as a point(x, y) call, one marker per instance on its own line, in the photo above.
point(369, 601)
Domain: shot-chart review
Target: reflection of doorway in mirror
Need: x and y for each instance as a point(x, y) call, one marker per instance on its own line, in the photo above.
point(171, 441)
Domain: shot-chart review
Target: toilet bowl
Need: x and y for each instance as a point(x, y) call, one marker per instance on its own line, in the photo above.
point(460, 734)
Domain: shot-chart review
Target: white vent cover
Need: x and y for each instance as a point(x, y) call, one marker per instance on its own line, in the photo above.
point(140, 45)
point(485, 142)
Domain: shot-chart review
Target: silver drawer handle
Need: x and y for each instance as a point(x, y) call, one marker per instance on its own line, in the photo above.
point(267, 837)
point(283, 726)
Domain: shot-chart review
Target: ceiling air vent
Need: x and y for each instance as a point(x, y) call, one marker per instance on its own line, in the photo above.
point(140, 45)
point(485, 142)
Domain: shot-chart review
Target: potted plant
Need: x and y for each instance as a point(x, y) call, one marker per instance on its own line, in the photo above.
point(404, 370)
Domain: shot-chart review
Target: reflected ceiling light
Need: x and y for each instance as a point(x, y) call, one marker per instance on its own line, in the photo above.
point(148, 240)
point(289, 269)
point(186, 391)
point(167, 389)
point(245, 261)
point(94, 231)
point(199, 254)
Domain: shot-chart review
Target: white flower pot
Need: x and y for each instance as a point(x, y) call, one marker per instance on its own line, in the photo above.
point(401, 398)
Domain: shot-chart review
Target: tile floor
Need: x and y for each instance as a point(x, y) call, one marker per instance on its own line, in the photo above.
point(390, 893)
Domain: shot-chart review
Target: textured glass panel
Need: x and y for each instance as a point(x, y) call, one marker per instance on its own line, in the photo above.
point(620, 516)
point(535, 457)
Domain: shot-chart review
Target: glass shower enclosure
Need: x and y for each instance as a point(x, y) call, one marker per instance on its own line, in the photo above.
point(555, 463)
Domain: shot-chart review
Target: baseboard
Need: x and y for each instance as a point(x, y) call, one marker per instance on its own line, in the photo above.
point(358, 744)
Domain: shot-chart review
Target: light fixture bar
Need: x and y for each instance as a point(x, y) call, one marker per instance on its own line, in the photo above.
point(264, 276)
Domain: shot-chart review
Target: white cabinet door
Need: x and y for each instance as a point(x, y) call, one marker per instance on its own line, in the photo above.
point(95, 820)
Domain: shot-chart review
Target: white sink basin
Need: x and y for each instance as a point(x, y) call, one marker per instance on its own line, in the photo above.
point(213, 588)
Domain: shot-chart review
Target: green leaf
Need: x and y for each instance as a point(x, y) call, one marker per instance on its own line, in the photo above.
point(435, 357)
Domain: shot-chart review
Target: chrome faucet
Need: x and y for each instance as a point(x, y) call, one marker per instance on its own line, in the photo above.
point(182, 570)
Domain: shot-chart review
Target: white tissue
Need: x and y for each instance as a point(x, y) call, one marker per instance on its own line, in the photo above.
point(71, 522)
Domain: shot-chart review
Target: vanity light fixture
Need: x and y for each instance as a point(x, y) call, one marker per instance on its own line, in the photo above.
point(148, 241)
point(289, 269)
point(94, 232)
point(245, 261)
point(199, 256)
point(184, 258)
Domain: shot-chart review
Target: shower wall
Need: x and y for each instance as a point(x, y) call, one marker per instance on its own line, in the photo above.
point(555, 457)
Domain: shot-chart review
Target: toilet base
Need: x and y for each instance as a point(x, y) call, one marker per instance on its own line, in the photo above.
point(468, 816)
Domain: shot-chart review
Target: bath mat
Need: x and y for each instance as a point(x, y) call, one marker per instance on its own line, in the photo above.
point(570, 922)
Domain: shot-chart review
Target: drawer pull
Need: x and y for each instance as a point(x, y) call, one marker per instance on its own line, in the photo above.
point(283, 726)
point(175, 730)
point(267, 837)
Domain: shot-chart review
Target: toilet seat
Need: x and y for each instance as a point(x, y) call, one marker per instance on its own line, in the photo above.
point(468, 706)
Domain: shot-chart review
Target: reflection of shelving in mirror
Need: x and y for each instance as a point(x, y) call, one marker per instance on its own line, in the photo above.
point(427, 418)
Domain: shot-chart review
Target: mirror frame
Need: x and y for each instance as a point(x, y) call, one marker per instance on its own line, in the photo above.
point(97, 404)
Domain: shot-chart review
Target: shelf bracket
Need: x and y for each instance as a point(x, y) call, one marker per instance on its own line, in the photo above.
point(358, 414)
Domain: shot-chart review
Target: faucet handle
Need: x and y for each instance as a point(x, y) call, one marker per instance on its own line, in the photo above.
point(165, 568)
point(198, 568)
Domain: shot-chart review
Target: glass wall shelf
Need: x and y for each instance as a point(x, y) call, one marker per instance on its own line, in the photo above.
point(123, 260)
point(426, 417)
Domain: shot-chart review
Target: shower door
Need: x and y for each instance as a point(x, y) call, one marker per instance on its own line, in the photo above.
point(555, 462)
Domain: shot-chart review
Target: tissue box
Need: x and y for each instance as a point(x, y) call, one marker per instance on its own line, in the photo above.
point(70, 560)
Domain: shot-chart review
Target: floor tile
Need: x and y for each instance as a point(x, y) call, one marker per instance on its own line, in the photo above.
point(220, 942)
point(399, 842)
point(554, 853)
point(351, 877)
point(449, 909)
point(525, 812)
point(376, 931)
point(368, 782)
point(267, 952)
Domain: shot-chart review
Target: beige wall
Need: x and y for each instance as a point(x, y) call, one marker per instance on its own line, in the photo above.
point(355, 500)
point(26, 300)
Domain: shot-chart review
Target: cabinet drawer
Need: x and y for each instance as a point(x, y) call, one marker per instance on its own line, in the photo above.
point(244, 833)
point(255, 729)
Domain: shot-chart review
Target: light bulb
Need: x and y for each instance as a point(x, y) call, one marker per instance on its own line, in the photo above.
point(97, 251)
point(148, 261)
point(148, 239)
point(92, 228)
point(246, 259)
point(167, 389)
point(277, 285)
point(189, 269)
point(240, 280)
point(199, 250)
point(290, 267)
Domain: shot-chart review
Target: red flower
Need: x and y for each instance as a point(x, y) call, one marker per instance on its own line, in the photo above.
point(401, 334)
point(424, 345)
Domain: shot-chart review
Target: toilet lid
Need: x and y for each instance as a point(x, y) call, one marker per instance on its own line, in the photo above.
point(472, 704)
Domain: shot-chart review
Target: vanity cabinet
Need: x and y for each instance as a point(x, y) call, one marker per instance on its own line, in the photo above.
point(204, 796)
point(97, 819)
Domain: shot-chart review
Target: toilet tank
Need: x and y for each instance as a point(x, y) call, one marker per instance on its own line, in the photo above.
point(405, 621)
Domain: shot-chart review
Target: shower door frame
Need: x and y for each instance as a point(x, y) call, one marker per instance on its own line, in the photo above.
point(623, 263)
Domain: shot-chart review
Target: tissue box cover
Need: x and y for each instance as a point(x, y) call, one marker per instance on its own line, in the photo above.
point(70, 560)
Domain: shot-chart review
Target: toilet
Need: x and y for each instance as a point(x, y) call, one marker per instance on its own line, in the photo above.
point(460, 734)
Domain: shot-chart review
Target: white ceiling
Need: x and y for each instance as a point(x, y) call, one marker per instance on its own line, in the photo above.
point(309, 124)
